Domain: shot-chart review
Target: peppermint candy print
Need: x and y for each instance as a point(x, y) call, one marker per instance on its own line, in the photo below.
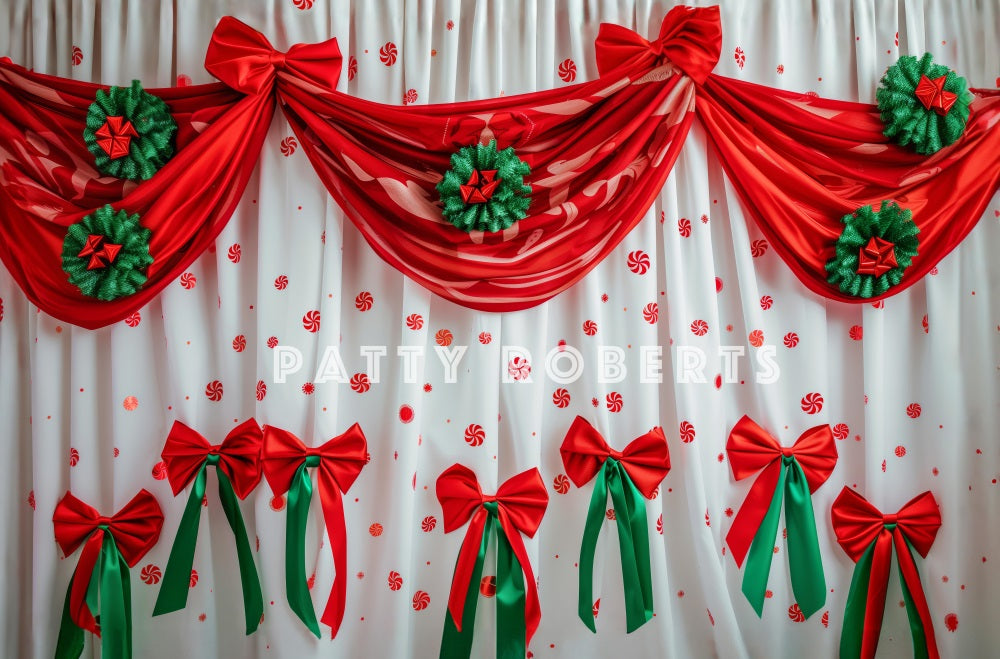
point(240, 343)
point(651, 313)
point(475, 435)
point(395, 580)
point(375, 530)
point(150, 574)
point(699, 328)
point(360, 383)
point(443, 337)
point(589, 327)
point(687, 433)
point(74, 457)
point(428, 523)
point(261, 390)
point(795, 613)
point(76, 56)
point(519, 368)
point(410, 97)
point(614, 402)
point(188, 281)
point(638, 262)
point(235, 253)
point(352, 68)
point(913, 410)
point(421, 600)
point(288, 146)
point(159, 471)
point(485, 338)
point(841, 431)
point(740, 57)
point(758, 248)
point(414, 321)
point(387, 53)
point(130, 403)
point(364, 301)
point(560, 398)
point(684, 227)
point(812, 403)
point(561, 484)
point(790, 340)
point(756, 338)
point(281, 282)
point(303, 4)
point(213, 391)
point(310, 321)
point(766, 302)
point(132, 320)
point(567, 70)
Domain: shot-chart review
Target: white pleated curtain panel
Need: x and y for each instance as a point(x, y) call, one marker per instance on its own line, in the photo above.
point(914, 383)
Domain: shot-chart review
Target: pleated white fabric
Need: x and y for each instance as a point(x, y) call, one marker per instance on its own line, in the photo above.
point(912, 387)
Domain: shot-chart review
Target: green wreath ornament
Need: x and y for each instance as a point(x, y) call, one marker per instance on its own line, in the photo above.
point(873, 250)
point(129, 132)
point(923, 105)
point(484, 190)
point(105, 254)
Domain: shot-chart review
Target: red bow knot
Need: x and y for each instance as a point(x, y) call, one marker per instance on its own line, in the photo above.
point(646, 459)
point(521, 502)
point(931, 94)
point(751, 449)
point(135, 529)
point(877, 257)
point(244, 59)
point(690, 38)
point(116, 136)
point(238, 456)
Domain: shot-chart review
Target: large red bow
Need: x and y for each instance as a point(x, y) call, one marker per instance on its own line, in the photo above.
point(239, 456)
point(646, 459)
point(135, 529)
point(859, 525)
point(750, 449)
point(521, 503)
point(340, 461)
point(690, 38)
point(244, 59)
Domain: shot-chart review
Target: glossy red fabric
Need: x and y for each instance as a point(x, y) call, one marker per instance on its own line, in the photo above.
point(48, 182)
point(800, 162)
point(858, 524)
point(750, 449)
point(646, 459)
point(239, 456)
point(135, 529)
point(341, 461)
point(521, 503)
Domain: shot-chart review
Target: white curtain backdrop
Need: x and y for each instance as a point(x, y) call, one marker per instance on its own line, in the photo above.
point(108, 397)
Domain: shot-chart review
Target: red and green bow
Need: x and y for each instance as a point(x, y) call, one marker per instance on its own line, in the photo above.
point(339, 461)
point(111, 545)
point(188, 456)
point(789, 475)
point(517, 507)
point(627, 476)
point(868, 537)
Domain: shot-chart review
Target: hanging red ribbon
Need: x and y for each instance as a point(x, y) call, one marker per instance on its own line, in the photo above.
point(869, 537)
point(339, 462)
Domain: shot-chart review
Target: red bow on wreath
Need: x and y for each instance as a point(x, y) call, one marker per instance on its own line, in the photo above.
point(517, 507)
point(868, 537)
point(340, 461)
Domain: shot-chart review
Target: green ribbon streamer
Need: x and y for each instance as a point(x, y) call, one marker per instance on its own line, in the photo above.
point(805, 564)
point(176, 578)
point(633, 541)
point(110, 592)
point(296, 585)
point(510, 597)
point(857, 599)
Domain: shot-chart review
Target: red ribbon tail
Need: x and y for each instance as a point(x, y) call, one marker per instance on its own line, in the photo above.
point(336, 530)
point(464, 566)
point(752, 512)
point(878, 586)
point(78, 609)
point(912, 579)
point(532, 607)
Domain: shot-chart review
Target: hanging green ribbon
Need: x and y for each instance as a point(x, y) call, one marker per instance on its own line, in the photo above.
point(510, 598)
point(109, 592)
point(176, 578)
point(804, 561)
point(297, 587)
point(633, 541)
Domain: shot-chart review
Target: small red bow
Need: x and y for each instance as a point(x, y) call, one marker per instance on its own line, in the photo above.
point(646, 459)
point(340, 461)
point(243, 58)
point(931, 94)
point(101, 253)
point(877, 257)
point(238, 456)
point(858, 524)
point(135, 529)
point(521, 503)
point(750, 449)
point(690, 38)
point(116, 135)
point(480, 188)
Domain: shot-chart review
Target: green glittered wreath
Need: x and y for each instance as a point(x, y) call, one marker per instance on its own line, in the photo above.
point(105, 254)
point(130, 132)
point(484, 190)
point(924, 105)
point(873, 250)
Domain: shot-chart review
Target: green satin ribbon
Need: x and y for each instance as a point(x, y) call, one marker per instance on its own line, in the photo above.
point(296, 585)
point(805, 564)
point(510, 598)
point(633, 541)
point(176, 578)
point(110, 592)
point(857, 601)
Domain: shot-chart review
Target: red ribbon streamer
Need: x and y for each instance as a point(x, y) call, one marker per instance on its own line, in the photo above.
point(646, 459)
point(858, 524)
point(239, 456)
point(135, 528)
point(341, 461)
point(750, 449)
point(521, 503)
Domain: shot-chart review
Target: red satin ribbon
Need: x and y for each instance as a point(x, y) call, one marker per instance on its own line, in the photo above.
point(690, 38)
point(341, 460)
point(521, 503)
point(239, 456)
point(646, 459)
point(135, 529)
point(750, 449)
point(244, 59)
point(858, 524)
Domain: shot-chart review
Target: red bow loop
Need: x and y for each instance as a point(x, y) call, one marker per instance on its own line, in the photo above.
point(857, 523)
point(135, 528)
point(341, 458)
point(690, 38)
point(646, 459)
point(239, 456)
point(460, 496)
point(244, 59)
